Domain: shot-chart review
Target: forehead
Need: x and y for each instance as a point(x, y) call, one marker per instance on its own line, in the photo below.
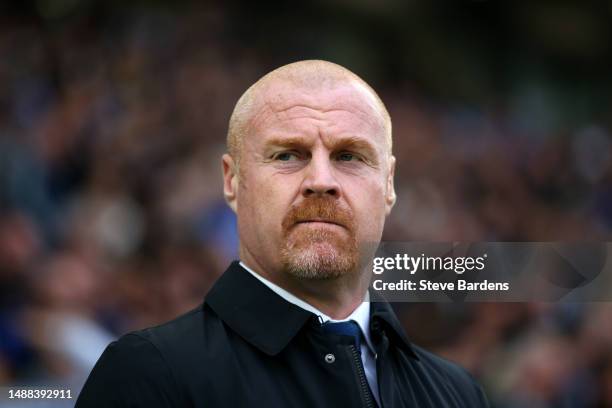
point(340, 108)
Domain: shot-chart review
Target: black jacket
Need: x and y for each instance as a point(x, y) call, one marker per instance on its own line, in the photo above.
point(248, 347)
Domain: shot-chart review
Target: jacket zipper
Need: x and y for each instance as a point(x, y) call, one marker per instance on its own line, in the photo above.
point(363, 382)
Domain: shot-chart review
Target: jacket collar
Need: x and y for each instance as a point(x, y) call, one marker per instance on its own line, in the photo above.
point(381, 311)
point(268, 321)
point(254, 311)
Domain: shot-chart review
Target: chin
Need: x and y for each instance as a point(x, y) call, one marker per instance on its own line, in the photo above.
point(319, 262)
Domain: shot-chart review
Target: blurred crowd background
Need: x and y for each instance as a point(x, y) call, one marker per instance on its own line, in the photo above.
point(113, 118)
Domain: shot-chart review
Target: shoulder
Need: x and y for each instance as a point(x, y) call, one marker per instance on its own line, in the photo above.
point(179, 332)
point(450, 375)
point(141, 367)
point(130, 372)
point(184, 342)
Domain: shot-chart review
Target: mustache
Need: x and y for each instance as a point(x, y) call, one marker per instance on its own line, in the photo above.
point(325, 209)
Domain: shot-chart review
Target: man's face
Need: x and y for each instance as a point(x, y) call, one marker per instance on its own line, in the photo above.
point(315, 180)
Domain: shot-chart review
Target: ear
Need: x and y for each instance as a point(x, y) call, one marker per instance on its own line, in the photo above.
point(390, 196)
point(230, 181)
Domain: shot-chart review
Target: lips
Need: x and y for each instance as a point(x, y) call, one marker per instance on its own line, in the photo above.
point(321, 221)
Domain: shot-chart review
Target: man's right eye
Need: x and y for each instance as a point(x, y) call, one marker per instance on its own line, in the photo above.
point(286, 156)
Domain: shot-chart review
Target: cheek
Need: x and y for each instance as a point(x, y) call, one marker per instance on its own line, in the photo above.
point(368, 202)
point(264, 200)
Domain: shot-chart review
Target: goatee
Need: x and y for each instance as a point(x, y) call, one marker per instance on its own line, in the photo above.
point(319, 251)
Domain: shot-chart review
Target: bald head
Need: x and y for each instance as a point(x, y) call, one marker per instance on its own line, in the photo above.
point(312, 75)
point(315, 180)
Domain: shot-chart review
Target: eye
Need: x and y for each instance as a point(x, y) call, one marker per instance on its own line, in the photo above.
point(286, 156)
point(346, 156)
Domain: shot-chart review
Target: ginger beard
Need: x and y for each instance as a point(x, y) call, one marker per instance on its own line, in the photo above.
point(319, 250)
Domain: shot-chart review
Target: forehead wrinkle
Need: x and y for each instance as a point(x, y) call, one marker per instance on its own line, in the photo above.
point(272, 118)
point(257, 118)
point(298, 105)
point(318, 114)
point(282, 122)
point(339, 103)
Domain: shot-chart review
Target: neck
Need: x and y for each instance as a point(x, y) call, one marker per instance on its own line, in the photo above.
point(337, 297)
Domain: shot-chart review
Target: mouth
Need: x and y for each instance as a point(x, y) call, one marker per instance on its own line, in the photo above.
point(316, 221)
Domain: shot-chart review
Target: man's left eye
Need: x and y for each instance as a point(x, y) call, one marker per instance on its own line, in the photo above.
point(346, 157)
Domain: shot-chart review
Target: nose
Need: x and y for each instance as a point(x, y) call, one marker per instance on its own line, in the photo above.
point(320, 179)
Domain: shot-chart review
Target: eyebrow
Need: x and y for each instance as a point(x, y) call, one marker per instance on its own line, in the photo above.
point(350, 142)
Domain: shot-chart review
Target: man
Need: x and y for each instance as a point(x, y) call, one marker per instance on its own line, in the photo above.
point(309, 174)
